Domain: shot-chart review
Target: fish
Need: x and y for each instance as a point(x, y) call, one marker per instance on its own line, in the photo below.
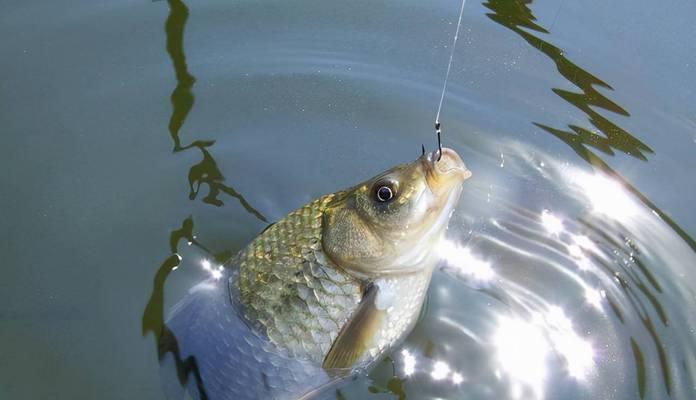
point(321, 294)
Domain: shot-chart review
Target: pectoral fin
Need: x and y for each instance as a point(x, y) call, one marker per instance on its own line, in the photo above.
point(357, 334)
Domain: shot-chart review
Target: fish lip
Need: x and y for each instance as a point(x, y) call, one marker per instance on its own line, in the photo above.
point(446, 168)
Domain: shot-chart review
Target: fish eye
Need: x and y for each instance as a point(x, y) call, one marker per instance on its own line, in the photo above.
point(385, 191)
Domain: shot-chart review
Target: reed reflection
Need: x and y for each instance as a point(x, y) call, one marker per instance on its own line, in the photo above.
point(153, 315)
point(608, 194)
point(206, 172)
point(640, 286)
point(518, 17)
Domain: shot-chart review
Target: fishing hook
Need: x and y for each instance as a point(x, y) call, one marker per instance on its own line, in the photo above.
point(444, 85)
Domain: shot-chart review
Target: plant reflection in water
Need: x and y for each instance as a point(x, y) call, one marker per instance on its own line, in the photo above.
point(525, 340)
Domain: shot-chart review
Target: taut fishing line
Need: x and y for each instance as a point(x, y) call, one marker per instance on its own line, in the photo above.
point(438, 131)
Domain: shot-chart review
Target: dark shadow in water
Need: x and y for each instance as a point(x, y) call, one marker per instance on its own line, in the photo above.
point(182, 99)
point(630, 276)
point(394, 386)
point(640, 363)
point(518, 17)
point(205, 172)
point(153, 316)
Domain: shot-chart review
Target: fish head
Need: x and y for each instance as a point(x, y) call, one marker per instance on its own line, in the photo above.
point(392, 222)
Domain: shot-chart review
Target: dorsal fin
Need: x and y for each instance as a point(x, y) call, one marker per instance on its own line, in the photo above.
point(357, 334)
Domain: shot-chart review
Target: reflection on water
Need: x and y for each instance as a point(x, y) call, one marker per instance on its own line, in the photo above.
point(522, 351)
point(182, 97)
point(606, 196)
point(616, 260)
point(464, 262)
point(597, 254)
point(531, 339)
point(608, 193)
point(409, 362)
point(153, 315)
point(206, 172)
point(552, 223)
point(561, 279)
point(214, 271)
point(516, 15)
point(437, 370)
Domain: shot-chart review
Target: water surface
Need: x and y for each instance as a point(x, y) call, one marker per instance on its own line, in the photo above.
point(138, 131)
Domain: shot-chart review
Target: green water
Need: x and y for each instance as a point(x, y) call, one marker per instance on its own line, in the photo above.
point(137, 130)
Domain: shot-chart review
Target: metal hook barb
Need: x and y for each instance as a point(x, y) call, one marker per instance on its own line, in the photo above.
point(422, 150)
point(444, 85)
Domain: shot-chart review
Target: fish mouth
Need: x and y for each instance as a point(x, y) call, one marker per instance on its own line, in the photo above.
point(444, 170)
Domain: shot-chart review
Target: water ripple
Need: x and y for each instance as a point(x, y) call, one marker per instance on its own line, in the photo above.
point(585, 291)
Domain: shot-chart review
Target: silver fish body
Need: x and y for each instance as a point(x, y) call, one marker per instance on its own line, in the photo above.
point(325, 291)
point(220, 357)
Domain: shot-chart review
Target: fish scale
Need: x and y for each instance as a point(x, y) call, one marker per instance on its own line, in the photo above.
point(286, 282)
point(323, 293)
point(234, 362)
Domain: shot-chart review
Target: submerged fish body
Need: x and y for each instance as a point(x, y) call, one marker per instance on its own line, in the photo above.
point(324, 291)
point(212, 353)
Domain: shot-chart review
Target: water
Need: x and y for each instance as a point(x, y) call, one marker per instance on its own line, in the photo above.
point(134, 128)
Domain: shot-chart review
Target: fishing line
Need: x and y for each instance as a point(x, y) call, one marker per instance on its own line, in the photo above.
point(444, 86)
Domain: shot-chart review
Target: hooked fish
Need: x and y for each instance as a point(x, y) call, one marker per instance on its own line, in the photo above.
point(324, 292)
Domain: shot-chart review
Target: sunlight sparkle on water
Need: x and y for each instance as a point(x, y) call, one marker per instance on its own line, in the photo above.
point(581, 244)
point(583, 241)
point(464, 262)
point(594, 297)
point(409, 362)
point(523, 346)
point(215, 273)
point(607, 196)
point(522, 352)
point(575, 251)
point(557, 318)
point(440, 370)
point(576, 351)
point(552, 223)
